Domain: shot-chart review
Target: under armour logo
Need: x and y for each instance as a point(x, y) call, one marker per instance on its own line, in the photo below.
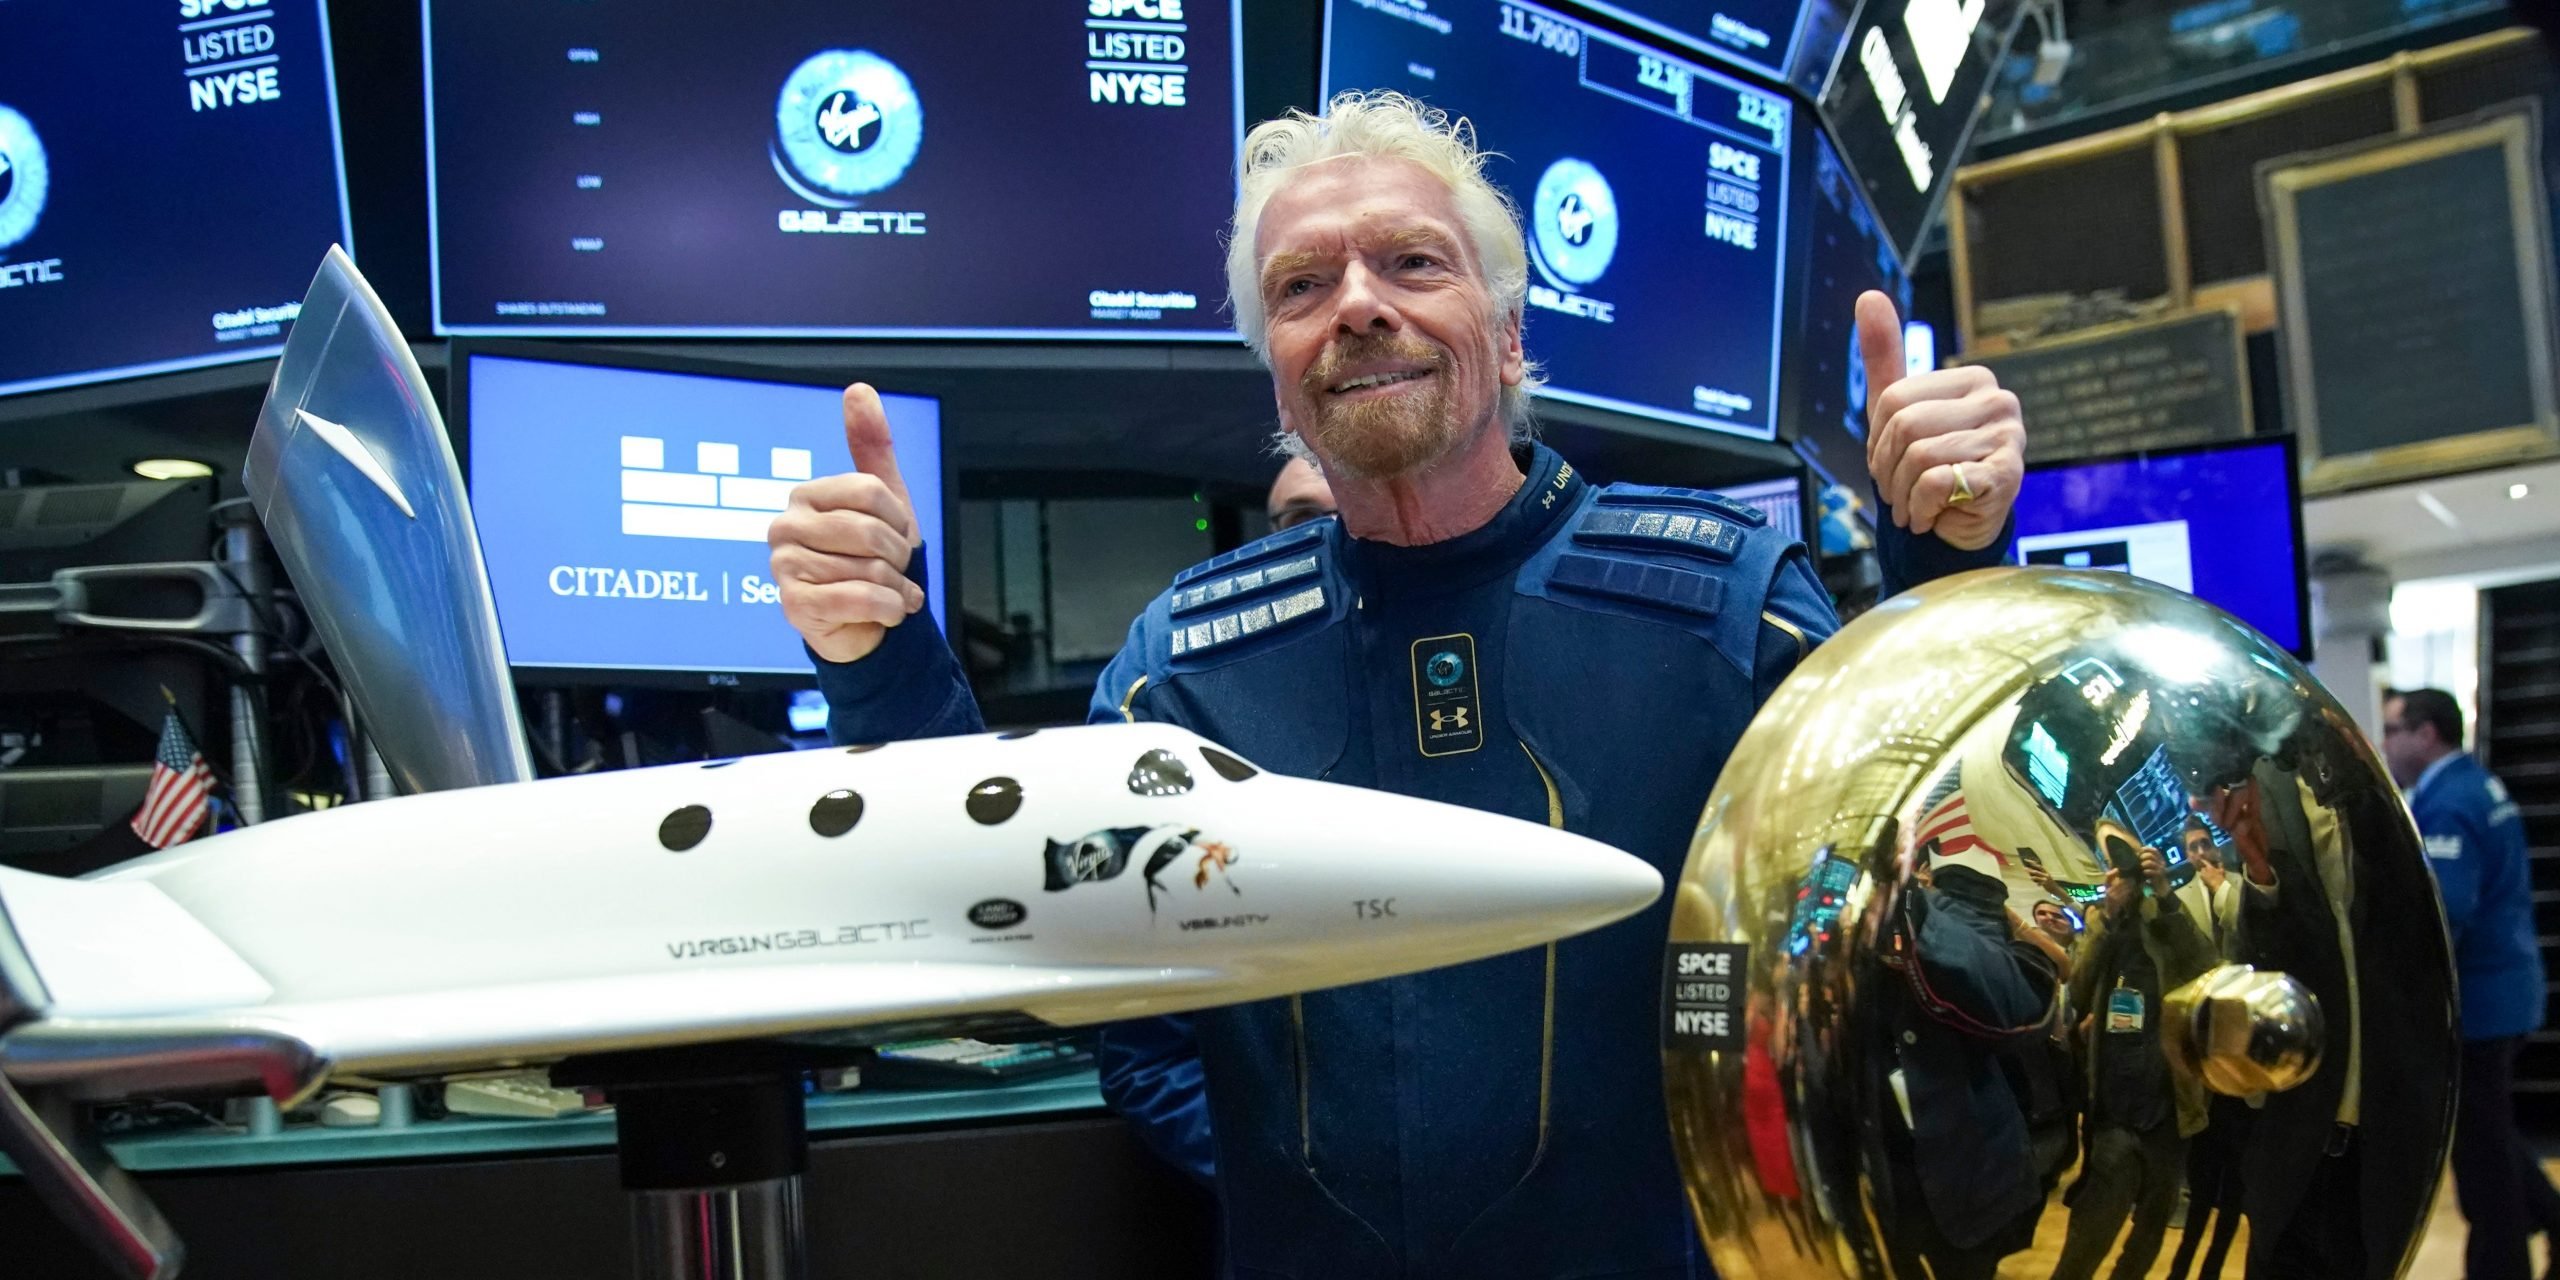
point(1446, 720)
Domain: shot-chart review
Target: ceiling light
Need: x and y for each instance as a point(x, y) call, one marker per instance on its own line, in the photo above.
point(2518, 491)
point(2434, 506)
point(171, 469)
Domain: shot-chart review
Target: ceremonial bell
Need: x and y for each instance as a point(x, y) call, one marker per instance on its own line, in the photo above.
point(2031, 897)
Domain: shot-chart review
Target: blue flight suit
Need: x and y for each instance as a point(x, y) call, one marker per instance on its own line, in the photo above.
point(2475, 844)
point(1587, 660)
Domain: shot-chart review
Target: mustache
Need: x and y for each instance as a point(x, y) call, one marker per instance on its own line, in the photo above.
point(1363, 348)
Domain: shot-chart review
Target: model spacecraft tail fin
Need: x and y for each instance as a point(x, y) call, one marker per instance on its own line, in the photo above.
point(357, 487)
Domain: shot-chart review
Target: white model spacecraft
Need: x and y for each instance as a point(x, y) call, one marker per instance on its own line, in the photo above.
point(1062, 877)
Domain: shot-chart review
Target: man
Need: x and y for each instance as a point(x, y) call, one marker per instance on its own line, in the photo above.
point(1298, 494)
point(1480, 627)
point(2212, 898)
point(2475, 844)
point(2056, 923)
point(2214, 1196)
point(2141, 946)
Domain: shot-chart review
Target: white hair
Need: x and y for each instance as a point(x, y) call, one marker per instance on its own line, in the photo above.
point(1389, 125)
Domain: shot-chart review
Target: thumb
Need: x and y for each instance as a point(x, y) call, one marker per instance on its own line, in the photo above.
point(866, 437)
point(1880, 346)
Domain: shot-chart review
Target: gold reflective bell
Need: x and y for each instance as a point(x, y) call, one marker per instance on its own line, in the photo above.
point(2030, 897)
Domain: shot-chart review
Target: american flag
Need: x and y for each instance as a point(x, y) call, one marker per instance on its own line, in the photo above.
point(1946, 822)
point(179, 798)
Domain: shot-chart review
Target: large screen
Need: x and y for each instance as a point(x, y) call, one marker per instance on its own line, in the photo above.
point(1758, 34)
point(1846, 254)
point(1010, 168)
point(1903, 97)
point(2221, 521)
point(169, 180)
point(1654, 191)
point(622, 511)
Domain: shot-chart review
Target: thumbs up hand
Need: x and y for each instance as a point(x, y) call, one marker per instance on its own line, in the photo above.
point(840, 550)
point(1946, 448)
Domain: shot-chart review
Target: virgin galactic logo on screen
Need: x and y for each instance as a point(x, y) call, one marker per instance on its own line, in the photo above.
point(848, 125)
point(22, 177)
point(120, 123)
point(1005, 168)
point(1575, 220)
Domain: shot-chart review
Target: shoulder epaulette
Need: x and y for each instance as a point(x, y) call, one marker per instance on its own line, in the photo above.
point(1262, 585)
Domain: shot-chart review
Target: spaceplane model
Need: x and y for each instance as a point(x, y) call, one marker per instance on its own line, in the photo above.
point(843, 896)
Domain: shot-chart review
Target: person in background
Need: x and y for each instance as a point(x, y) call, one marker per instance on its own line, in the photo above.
point(2141, 946)
point(2474, 839)
point(1298, 494)
point(2212, 898)
point(2056, 923)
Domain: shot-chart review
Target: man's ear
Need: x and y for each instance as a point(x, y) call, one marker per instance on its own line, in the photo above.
point(1514, 358)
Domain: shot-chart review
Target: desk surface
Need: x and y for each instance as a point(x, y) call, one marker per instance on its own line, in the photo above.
point(475, 1136)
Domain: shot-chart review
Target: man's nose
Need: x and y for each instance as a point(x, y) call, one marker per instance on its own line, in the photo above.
point(1362, 303)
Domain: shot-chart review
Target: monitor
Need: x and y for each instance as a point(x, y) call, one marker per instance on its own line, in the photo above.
point(1654, 192)
point(622, 506)
point(2223, 521)
point(1011, 168)
point(1759, 35)
point(1782, 500)
point(1845, 255)
point(169, 178)
point(1902, 98)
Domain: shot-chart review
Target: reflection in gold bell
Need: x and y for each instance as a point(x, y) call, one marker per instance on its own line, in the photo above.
point(2243, 1031)
point(1912, 1074)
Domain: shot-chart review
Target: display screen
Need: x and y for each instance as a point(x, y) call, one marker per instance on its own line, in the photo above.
point(1654, 192)
point(1781, 500)
point(1013, 168)
point(1846, 254)
point(2221, 522)
point(1758, 34)
point(169, 180)
point(622, 512)
point(1903, 97)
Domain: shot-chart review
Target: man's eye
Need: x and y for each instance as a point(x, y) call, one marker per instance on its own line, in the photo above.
point(1296, 287)
point(1417, 261)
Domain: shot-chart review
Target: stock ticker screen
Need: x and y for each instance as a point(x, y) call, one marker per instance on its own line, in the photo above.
point(1758, 34)
point(1654, 192)
point(169, 180)
point(1013, 168)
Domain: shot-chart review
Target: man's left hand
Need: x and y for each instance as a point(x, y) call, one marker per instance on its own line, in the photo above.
point(1946, 448)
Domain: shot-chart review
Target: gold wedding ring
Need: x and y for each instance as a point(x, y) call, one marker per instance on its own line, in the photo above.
point(1964, 492)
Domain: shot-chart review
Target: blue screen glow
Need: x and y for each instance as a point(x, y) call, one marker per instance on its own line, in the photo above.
point(622, 512)
point(2216, 521)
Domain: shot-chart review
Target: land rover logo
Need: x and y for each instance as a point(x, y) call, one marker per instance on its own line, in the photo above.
point(997, 913)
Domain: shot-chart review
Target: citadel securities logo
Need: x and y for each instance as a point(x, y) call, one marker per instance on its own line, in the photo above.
point(848, 123)
point(710, 503)
point(24, 177)
point(1573, 236)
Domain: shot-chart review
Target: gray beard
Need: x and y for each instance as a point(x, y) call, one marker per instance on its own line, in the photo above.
point(1384, 439)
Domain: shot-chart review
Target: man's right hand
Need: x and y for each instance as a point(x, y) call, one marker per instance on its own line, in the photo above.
point(840, 551)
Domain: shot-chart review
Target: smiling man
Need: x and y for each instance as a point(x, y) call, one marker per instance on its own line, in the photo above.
point(1480, 627)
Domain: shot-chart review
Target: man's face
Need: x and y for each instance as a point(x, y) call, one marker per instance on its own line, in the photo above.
point(1385, 354)
point(2406, 748)
point(2055, 924)
point(1298, 494)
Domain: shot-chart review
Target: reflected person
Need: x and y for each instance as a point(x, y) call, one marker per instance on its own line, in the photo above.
point(2141, 945)
point(1978, 986)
